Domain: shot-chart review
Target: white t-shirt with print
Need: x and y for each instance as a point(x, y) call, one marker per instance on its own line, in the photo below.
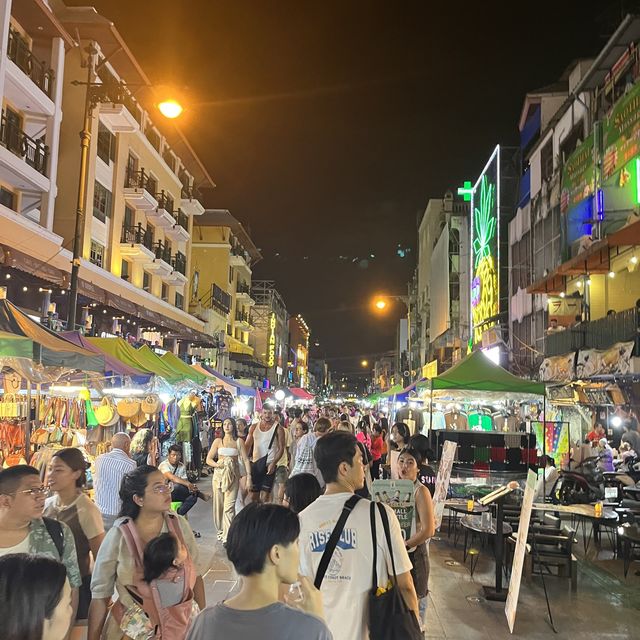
point(347, 581)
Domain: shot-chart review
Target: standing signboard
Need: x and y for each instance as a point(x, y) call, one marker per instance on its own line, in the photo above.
point(518, 556)
point(442, 480)
point(399, 495)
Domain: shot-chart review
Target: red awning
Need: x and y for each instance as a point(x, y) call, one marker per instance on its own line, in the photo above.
point(301, 394)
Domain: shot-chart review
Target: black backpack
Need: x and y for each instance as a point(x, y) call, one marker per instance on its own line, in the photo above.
point(54, 529)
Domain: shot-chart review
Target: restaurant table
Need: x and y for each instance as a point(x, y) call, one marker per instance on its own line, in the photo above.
point(460, 507)
point(474, 524)
point(629, 535)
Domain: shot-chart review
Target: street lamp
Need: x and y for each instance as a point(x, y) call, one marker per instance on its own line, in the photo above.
point(365, 363)
point(96, 92)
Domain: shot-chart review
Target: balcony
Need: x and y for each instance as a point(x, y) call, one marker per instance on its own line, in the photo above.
point(136, 244)
point(161, 264)
point(18, 51)
point(243, 320)
point(190, 203)
point(139, 190)
point(243, 293)
point(34, 152)
point(597, 334)
point(162, 215)
point(178, 277)
point(240, 258)
point(117, 107)
point(180, 230)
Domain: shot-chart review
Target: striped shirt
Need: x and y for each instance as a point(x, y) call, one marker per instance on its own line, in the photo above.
point(110, 468)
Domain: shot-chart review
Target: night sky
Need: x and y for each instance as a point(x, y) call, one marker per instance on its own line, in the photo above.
point(327, 126)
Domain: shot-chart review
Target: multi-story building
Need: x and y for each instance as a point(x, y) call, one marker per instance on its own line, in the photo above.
point(270, 338)
point(384, 373)
point(222, 258)
point(141, 190)
point(298, 352)
point(32, 53)
point(442, 281)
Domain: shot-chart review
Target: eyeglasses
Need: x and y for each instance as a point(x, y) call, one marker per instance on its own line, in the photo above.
point(167, 487)
point(36, 491)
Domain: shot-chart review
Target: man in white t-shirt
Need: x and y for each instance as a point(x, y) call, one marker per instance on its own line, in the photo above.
point(347, 581)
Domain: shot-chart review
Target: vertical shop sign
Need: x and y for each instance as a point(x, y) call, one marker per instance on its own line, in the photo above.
point(485, 248)
point(442, 480)
point(271, 351)
point(518, 556)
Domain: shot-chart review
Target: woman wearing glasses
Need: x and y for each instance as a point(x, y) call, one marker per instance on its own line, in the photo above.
point(146, 501)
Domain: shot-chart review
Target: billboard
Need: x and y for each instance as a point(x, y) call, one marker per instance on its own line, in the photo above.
point(485, 248)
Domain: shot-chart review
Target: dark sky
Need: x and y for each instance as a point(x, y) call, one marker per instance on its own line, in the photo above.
point(328, 125)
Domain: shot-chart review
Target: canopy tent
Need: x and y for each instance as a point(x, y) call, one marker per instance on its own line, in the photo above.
point(373, 398)
point(179, 366)
point(476, 373)
point(242, 390)
point(300, 394)
point(49, 349)
point(161, 366)
point(397, 389)
point(111, 364)
point(13, 346)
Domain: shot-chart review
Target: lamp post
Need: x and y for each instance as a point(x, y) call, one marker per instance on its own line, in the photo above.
point(96, 92)
point(381, 304)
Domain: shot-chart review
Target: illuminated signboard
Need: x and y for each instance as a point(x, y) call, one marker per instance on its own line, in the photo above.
point(271, 351)
point(485, 248)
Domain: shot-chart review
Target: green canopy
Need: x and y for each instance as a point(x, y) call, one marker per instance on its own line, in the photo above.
point(182, 368)
point(13, 346)
point(373, 398)
point(477, 373)
point(396, 390)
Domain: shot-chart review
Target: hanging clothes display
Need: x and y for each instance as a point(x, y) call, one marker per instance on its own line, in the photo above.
point(188, 407)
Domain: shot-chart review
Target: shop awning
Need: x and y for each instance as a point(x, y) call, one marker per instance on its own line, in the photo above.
point(397, 389)
point(50, 349)
point(111, 364)
point(477, 373)
point(242, 390)
point(301, 394)
point(181, 367)
point(159, 365)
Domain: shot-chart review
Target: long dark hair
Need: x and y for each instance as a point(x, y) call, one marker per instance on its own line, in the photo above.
point(74, 459)
point(134, 484)
point(30, 590)
point(159, 555)
point(234, 428)
point(301, 490)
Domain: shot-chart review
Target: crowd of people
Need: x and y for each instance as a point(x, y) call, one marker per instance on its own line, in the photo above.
point(290, 496)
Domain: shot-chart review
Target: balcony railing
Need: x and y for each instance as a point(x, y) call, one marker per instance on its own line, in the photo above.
point(242, 287)
point(137, 235)
point(190, 193)
point(163, 252)
point(179, 263)
point(140, 179)
point(597, 334)
point(153, 137)
point(165, 202)
point(243, 316)
point(34, 152)
point(182, 220)
point(18, 51)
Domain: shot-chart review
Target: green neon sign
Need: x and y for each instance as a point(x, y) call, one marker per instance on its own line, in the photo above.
point(466, 191)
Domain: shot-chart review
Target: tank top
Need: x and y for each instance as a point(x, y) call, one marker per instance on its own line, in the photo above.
point(415, 521)
point(261, 440)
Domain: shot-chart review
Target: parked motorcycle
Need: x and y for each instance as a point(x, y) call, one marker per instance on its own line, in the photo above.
point(582, 485)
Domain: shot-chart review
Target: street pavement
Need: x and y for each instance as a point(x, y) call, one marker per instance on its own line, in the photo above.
point(605, 606)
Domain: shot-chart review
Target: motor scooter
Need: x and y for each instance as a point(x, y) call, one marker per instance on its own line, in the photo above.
point(581, 485)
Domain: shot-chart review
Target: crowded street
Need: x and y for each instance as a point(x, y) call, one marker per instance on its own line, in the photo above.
point(319, 321)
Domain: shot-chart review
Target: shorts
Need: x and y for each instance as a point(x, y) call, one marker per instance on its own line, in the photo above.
point(261, 481)
point(282, 473)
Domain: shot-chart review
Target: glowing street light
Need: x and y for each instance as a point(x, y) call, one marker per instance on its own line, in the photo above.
point(365, 363)
point(381, 304)
point(170, 109)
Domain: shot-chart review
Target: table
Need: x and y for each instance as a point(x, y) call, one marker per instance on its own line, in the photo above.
point(461, 507)
point(630, 536)
point(474, 524)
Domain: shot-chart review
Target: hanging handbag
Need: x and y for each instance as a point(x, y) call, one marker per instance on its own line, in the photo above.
point(105, 413)
point(389, 616)
point(151, 404)
point(333, 539)
point(260, 465)
point(128, 408)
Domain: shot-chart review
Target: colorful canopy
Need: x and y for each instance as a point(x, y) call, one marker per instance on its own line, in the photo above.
point(242, 390)
point(49, 349)
point(179, 366)
point(477, 373)
point(397, 389)
point(111, 364)
point(13, 346)
point(301, 394)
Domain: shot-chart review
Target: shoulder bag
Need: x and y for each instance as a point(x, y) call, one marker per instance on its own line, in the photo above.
point(260, 465)
point(389, 616)
point(333, 539)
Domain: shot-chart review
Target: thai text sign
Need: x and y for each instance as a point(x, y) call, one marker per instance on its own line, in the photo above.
point(622, 133)
point(578, 178)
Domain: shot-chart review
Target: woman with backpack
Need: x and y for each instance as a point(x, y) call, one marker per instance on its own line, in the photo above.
point(145, 514)
point(67, 477)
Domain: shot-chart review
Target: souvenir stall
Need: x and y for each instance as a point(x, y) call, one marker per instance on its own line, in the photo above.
point(476, 400)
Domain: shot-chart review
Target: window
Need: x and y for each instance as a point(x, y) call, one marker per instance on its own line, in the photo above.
point(132, 168)
point(546, 160)
point(97, 254)
point(129, 217)
point(151, 231)
point(106, 144)
point(124, 270)
point(101, 202)
point(570, 142)
point(179, 300)
point(165, 293)
point(230, 274)
point(146, 282)
point(7, 198)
